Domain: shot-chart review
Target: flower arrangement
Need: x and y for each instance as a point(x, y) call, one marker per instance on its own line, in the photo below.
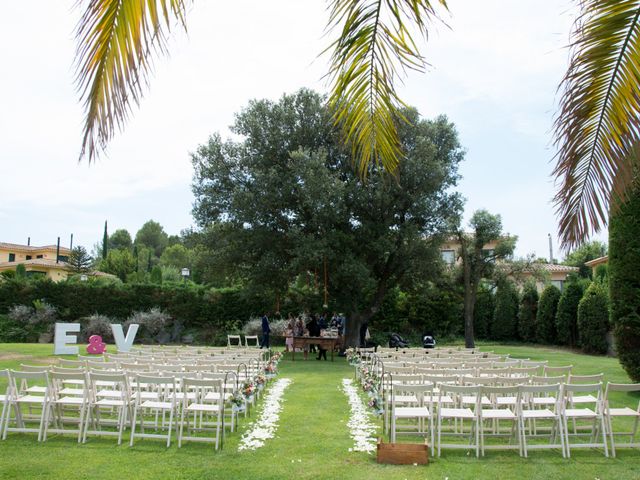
point(248, 389)
point(375, 403)
point(352, 356)
point(260, 380)
point(237, 401)
point(275, 358)
point(270, 369)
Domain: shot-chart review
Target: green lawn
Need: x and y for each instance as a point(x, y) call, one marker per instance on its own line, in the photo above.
point(311, 442)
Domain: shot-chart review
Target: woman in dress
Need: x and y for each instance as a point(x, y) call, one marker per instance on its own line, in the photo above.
point(291, 325)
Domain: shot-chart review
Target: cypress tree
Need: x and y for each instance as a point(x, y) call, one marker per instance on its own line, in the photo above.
point(527, 314)
point(567, 314)
point(105, 242)
point(546, 319)
point(505, 317)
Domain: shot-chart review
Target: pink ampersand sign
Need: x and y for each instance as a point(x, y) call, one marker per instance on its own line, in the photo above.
point(96, 345)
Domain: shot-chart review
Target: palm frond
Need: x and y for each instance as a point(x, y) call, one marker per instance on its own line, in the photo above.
point(598, 121)
point(116, 42)
point(375, 45)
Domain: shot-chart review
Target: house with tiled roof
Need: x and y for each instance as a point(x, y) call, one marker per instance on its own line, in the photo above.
point(48, 261)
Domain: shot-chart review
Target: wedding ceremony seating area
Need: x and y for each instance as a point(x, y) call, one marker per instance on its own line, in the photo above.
point(191, 394)
point(478, 401)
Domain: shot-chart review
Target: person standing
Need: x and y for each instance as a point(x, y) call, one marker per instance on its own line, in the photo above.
point(291, 326)
point(266, 329)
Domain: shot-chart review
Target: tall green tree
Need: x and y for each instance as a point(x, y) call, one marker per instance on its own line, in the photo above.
point(284, 201)
point(105, 242)
point(120, 239)
point(547, 309)
point(567, 314)
point(79, 260)
point(120, 263)
point(585, 252)
point(478, 262)
point(527, 315)
point(505, 316)
point(176, 256)
point(152, 235)
point(624, 283)
point(593, 319)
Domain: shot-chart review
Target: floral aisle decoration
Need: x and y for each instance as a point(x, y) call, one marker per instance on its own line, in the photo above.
point(266, 424)
point(353, 357)
point(270, 370)
point(362, 431)
point(260, 381)
point(248, 389)
point(375, 404)
point(237, 401)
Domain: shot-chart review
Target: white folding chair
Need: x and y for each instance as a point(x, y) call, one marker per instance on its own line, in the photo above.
point(421, 411)
point(207, 416)
point(4, 399)
point(595, 416)
point(459, 413)
point(534, 413)
point(109, 392)
point(165, 402)
point(63, 398)
point(251, 341)
point(500, 411)
point(548, 371)
point(234, 341)
point(621, 412)
point(19, 396)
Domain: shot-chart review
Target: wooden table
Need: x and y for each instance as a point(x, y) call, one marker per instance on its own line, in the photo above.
point(326, 343)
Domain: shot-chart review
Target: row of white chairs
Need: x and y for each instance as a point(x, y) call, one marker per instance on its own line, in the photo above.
point(124, 399)
point(482, 407)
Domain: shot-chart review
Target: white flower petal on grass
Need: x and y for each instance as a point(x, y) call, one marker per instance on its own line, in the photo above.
point(362, 430)
point(267, 423)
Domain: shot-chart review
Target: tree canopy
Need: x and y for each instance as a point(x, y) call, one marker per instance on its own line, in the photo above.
point(283, 202)
point(152, 235)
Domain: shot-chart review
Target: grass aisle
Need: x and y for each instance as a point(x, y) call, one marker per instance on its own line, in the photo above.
point(311, 442)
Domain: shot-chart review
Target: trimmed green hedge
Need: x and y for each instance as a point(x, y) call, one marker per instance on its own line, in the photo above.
point(593, 319)
point(527, 314)
point(546, 319)
point(483, 313)
point(624, 283)
point(505, 316)
point(567, 314)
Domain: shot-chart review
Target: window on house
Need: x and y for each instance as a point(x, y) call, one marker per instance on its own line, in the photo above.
point(39, 256)
point(28, 257)
point(449, 256)
point(12, 257)
point(558, 284)
point(63, 258)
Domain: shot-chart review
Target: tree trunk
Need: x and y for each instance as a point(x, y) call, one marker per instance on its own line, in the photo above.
point(470, 290)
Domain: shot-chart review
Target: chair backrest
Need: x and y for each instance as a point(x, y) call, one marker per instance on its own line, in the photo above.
point(34, 368)
point(623, 387)
point(71, 363)
point(408, 379)
point(419, 390)
point(457, 391)
point(570, 389)
point(537, 380)
point(585, 378)
point(234, 341)
point(551, 390)
point(202, 386)
point(26, 378)
point(251, 341)
point(548, 371)
point(495, 392)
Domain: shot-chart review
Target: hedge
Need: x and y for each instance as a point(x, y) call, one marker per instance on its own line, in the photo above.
point(505, 317)
point(593, 319)
point(624, 283)
point(483, 313)
point(567, 314)
point(527, 314)
point(546, 319)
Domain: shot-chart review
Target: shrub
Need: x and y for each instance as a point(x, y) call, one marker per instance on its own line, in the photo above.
point(97, 324)
point(527, 313)
point(624, 283)
point(567, 314)
point(593, 319)
point(26, 324)
point(505, 317)
point(483, 312)
point(151, 324)
point(546, 318)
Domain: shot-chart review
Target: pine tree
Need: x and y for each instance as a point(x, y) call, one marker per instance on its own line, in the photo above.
point(105, 242)
point(79, 260)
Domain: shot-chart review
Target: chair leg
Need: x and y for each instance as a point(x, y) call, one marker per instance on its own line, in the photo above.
point(133, 425)
point(169, 428)
point(181, 428)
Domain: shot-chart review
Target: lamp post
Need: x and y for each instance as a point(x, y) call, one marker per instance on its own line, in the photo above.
point(185, 273)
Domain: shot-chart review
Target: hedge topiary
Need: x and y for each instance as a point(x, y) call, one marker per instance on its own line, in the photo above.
point(546, 319)
point(505, 317)
point(567, 314)
point(624, 283)
point(593, 319)
point(483, 312)
point(528, 312)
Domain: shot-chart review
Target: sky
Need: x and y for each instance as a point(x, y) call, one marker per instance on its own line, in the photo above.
point(494, 70)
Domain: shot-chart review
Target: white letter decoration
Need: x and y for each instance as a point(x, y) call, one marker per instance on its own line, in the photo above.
point(61, 339)
point(123, 344)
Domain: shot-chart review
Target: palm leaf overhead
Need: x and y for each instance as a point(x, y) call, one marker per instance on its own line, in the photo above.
point(116, 41)
point(375, 45)
point(597, 126)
